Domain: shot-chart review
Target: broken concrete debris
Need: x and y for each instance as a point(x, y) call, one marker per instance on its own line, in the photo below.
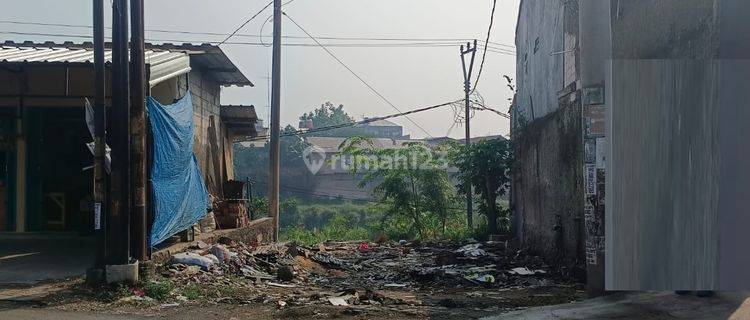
point(355, 276)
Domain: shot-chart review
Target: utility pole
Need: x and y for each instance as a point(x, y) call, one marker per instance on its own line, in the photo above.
point(99, 136)
point(273, 165)
point(118, 222)
point(138, 132)
point(467, 91)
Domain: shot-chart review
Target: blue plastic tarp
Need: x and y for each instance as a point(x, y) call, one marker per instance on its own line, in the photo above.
point(179, 192)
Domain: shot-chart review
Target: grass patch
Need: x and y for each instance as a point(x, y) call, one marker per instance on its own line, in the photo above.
point(340, 228)
point(158, 290)
point(226, 290)
point(192, 291)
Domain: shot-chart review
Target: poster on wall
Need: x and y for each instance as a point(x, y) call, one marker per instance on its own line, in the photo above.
point(601, 153)
point(590, 170)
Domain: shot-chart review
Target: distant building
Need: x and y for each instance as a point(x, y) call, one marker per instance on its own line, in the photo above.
point(382, 129)
point(333, 180)
point(374, 129)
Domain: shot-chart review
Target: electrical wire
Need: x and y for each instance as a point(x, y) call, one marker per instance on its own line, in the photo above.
point(245, 23)
point(343, 45)
point(484, 54)
point(347, 38)
point(351, 124)
point(482, 107)
point(355, 74)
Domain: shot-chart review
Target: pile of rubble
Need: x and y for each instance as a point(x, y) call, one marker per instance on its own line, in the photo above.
point(353, 274)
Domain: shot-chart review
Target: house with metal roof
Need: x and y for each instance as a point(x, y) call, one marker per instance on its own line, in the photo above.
point(47, 184)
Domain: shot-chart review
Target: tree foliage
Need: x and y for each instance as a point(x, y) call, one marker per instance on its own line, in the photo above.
point(252, 162)
point(330, 115)
point(411, 180)
point(486, 166)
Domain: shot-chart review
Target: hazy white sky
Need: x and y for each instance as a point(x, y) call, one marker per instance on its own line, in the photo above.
point(409, 77)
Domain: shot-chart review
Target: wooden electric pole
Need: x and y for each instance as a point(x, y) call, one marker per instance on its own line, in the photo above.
point(138, 132)
point(118, 221)
point(99, 135)
point(273, 165)
point(467, 91)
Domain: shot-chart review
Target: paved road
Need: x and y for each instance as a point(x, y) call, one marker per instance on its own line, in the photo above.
point(28, 259)
point(646, 306)
point(44, 314)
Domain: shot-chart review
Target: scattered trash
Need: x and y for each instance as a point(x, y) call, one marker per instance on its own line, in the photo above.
point(136, 298)
point(189, 258)
point(364, 246)
point(138, 292)
point(485, 278)
point(221, 252)
point(523, 271)
point(281, 285)
point(357, 276)
point(338, 301)
point(472, 250)
point(170, 305)
point(201, 245)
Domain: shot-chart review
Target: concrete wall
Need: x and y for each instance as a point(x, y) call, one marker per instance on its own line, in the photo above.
point(548, 184)
point(678, 130)
point(547, 137)
point(595, 49)
point(662, 231)
point(539, 71)
point(661, 29)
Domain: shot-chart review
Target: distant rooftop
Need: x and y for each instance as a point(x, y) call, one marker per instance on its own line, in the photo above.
point(331, 144)
point(381, 123)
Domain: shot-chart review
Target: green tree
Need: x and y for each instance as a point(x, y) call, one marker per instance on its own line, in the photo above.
point(252, 162)
point(411, 180)
point(330, 115)
point(486, 166)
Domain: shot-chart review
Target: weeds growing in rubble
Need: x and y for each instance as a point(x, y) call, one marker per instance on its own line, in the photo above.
point(339, 228)
point(192, 291)
point(345, 226)
point(158, 290)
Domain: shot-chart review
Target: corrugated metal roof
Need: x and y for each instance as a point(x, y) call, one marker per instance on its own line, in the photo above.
point(240, 119)
point(165, 60)
point(211, 59)
point(238, 112)
point(163, 64)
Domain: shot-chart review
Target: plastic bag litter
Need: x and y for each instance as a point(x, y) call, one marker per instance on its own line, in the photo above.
point(485, 278)
point(472, 250)
point(221, 252)
point(194, 259)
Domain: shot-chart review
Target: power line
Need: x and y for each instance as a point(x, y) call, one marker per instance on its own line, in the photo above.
point(245, 23)
point(355, 74)
point(342, 45)
point(346, 38)
point(484, 54)
point(351, 124)
point(482, 107)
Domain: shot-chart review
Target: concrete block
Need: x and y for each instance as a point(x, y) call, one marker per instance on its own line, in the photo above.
point(122, 273)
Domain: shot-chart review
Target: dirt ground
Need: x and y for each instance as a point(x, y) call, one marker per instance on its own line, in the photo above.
point(332, 280)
